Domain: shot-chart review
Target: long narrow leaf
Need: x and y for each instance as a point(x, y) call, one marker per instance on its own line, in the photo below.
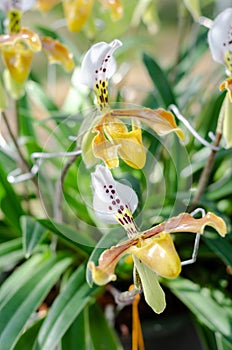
point(33, 232)
point(103, 336)
point(159, 80)
point(68, 305)
point(203, 305)
point(15, 312)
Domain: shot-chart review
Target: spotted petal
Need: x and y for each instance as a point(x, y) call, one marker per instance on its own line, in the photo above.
point(160, 120)
point(220, 36)
point(99, 63)
point(58, 53)
point(111, 198)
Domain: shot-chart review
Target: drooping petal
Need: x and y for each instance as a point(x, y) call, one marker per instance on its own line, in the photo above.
point(153, 293)
point(104, 272)
point(159, 254)
point(113, 201)
point(99, 63)
point(131, 148)
point(104, 150)
point(186, 223)
point(115, 6)
point(160, 120)
point(45, 5)
point(76, 13)
point(58, 53)
point(220, 36)
point(25, 39)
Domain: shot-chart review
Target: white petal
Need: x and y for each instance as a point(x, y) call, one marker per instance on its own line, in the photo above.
point(99, 63)
point(220, 35)
point(21, 5)
point(27, 5)
point(110, 195)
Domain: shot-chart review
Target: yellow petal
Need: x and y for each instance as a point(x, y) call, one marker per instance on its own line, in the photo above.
point(227, 122)
point(160, 120)
point(104, 149)
point(22, 41)
point(58, 53)
point(115, 7)
point(186, 223)
point(45, 5)
point(18, 63)
point(159, 254)
point(76, 13)
point(131, 148)
point(104, 272)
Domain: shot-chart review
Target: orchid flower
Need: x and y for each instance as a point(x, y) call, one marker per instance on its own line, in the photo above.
point(78, 11)
point(153, 250)
point(19, 45)
point(220, 39)
point(113, 139)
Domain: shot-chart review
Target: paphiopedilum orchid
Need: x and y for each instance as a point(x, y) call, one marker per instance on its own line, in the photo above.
point(18, 46)
point(77, 11)
point(153, 250)
point(109, 138)
point(220, 39)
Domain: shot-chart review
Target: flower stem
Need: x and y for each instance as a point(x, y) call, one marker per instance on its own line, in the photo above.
point(206, 172)
point(59, 188)
point(24, 162)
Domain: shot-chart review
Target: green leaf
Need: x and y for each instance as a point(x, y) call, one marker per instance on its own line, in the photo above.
point(159, 79)
point(220, 246)
point(33, 232)
point(25, 299)
point(68, 305)
point(20, 276)
point(27, 339)
point(77, 336)
point(10, 204)
point(206, 309)
point(10, 253)
point(102, 334)
point(81, 241)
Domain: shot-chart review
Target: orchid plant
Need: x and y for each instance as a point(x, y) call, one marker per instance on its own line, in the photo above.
point(18, 46)
point(109, 137)
point(153, 250)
